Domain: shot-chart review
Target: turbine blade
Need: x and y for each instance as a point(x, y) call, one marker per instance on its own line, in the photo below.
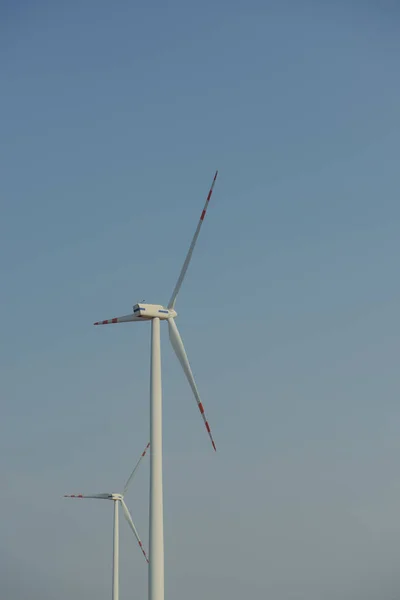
point(96, 496)
point(135, 469)
point(180, 352)
point(124, 319)
point(182, 274)
point(128, 517)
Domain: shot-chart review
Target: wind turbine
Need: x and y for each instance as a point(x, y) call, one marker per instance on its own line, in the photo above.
point(156, 313)
point(118, 499)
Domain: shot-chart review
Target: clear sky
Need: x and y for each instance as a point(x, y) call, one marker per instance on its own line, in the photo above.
point(114, 119)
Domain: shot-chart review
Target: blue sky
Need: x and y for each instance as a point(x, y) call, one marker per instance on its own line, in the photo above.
point(115, 117)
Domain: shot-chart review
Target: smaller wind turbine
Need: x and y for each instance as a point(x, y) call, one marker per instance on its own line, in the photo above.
point(118, 498)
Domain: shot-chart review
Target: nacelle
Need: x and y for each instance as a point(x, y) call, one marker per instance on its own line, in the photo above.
point(151, 311)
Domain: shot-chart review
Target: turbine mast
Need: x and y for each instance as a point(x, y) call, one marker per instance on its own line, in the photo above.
point(115, 577)
point(156, 526)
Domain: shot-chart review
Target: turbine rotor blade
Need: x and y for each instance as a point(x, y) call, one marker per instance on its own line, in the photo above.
point(182, 274)
point(124, 319)
point(128, 482)
point(128, 517)
point(96, 496)
point(180, 352)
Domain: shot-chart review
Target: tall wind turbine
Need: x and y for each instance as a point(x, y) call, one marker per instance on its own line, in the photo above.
point(118, 499)
point(155, 313)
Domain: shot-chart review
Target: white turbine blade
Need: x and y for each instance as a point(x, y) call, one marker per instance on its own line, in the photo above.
point(135, 469)
point(128, 517)
point(124, 319)
point(180, 352)
point(96, 496)
point(182, 274)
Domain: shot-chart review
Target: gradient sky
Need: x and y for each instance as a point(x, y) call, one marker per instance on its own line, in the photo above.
point(114, 119)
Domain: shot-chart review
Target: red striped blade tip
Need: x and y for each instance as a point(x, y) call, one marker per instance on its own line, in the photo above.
point(107, 321)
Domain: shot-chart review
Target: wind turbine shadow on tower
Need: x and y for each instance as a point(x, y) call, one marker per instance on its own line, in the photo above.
point(118, 498)
point(156, 313)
